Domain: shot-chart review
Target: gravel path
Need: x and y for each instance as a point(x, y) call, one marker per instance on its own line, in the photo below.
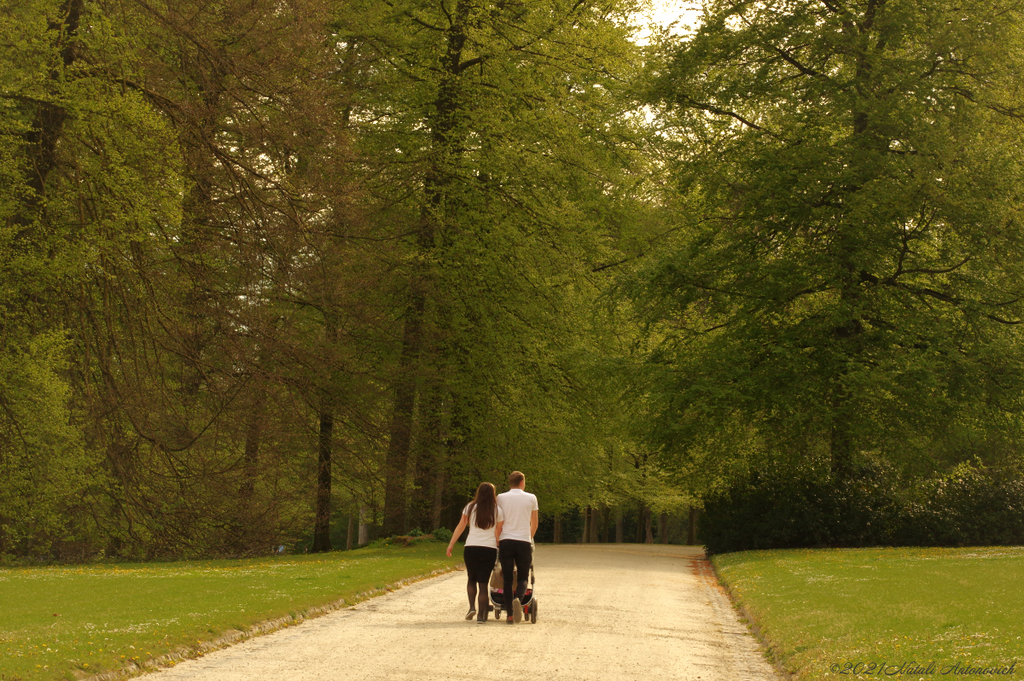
point(605, 611)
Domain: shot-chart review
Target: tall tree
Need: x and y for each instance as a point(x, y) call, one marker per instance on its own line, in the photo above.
point(496, 132)
point(78, 152)
point(227, 298)
point(846, 271)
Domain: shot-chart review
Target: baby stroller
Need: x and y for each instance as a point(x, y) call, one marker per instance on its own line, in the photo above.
point(497, 593)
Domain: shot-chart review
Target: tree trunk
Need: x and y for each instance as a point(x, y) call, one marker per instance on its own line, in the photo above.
point(245, 515)
point(322, 527)
point(641, 509)
point(438, 508)
point(349, 532)
point(648, 534)
point(421, 506)
point(595, 526)
point(445, 148)
point(691, 533)
point(425, 507)
point(48, 127)
point(663, 528)
point(618, 525)
point(364, 528)
point(250, 462)
point(558, 529)
point(400, 442)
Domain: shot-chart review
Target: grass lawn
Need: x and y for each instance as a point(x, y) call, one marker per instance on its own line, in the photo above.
point(69, 622)
point(834, 614)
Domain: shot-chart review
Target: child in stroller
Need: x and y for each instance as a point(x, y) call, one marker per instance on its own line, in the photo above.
point(497, 594)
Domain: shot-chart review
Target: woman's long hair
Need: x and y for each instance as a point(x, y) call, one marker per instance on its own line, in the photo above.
point(486, 504)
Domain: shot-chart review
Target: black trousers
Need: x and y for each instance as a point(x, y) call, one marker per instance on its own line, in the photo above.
point(516, 554)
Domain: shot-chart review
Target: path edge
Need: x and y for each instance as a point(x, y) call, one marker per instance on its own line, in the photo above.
point(768, 650)
point(234, 636)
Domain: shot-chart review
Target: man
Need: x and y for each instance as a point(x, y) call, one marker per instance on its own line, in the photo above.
point(515, 544)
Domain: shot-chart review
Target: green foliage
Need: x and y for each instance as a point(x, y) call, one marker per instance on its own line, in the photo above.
point(508, 169)
point(843, 275)
point(970, 505)
point(43, 463)
point(442, 534)
point(781, 507)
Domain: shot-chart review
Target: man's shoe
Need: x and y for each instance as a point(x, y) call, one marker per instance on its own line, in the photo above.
point(471, 614)
point(481, 620)
point(517, 610)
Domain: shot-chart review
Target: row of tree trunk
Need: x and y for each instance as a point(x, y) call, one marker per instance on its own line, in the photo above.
point(606, 525)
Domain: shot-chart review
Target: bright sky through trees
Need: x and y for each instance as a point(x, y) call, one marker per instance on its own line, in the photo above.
point(682, 13)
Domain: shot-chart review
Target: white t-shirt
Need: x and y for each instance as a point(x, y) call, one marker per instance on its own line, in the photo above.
point(478, 536)
point(518, 506)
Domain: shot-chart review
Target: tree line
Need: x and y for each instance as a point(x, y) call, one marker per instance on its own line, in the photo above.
point(269, 264)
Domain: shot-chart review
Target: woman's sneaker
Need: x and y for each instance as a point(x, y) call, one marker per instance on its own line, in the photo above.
point(471, 614)
point(517, 610)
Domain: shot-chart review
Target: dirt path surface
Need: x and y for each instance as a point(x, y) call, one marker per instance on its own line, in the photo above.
point(607, 611)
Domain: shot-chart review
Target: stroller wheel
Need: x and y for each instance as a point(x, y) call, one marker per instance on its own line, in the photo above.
point(497, 613)
point(533, 611)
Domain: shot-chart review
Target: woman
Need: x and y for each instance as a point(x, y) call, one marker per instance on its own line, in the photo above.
point(484, 519)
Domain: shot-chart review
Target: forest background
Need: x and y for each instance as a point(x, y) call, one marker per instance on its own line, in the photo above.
point(268, 267)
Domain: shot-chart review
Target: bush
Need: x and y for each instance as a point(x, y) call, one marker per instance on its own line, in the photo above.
point(778, 508)
point(443, 534)
point(971, 505)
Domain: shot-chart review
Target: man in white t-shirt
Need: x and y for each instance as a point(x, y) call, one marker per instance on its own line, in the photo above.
point(515, 545)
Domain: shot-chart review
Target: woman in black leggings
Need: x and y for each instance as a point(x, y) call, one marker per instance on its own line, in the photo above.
point(484, 519)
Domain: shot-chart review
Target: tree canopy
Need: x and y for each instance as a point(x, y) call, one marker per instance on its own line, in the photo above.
point(844, 272)
point(266, 266)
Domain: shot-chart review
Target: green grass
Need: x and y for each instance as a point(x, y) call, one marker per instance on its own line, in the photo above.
point(822, 612)
point(68, 622)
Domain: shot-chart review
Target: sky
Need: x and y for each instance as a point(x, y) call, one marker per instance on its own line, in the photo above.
point(665, 12)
